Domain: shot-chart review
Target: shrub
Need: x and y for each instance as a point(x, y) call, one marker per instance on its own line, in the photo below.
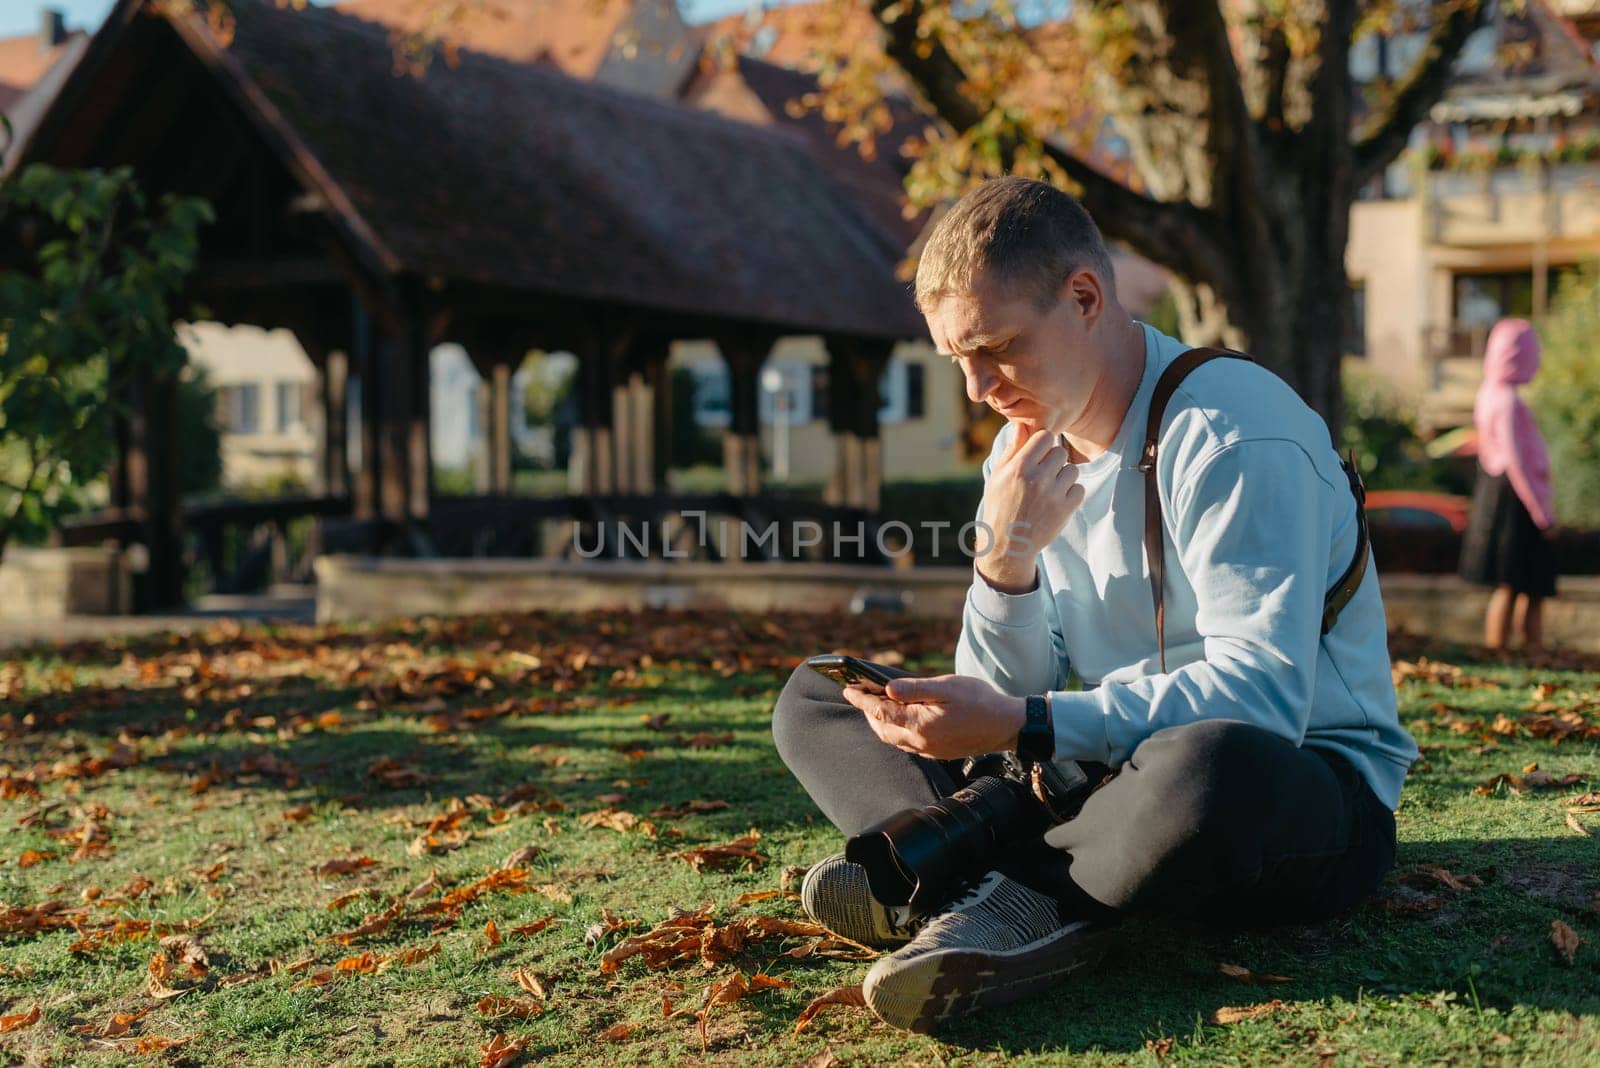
point(1565, 396)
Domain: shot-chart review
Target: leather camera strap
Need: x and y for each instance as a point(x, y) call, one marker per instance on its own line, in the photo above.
point(1154, 533)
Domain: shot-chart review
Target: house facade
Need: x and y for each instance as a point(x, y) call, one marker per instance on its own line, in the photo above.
point(1496, 199)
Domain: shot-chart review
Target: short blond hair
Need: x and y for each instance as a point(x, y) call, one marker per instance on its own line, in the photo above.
point(1027, 236)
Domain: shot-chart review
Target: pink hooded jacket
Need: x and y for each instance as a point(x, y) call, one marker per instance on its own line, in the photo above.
point(1508, 440)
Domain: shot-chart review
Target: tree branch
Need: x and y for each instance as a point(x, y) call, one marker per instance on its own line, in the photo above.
point(1176, 234)
point(1381, 138)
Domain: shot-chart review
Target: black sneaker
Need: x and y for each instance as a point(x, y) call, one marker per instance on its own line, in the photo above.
point(996, 943)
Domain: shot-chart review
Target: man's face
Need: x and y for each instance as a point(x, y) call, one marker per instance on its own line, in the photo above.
point(1036, 368)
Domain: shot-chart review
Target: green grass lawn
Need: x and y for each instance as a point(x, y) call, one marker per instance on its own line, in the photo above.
point(187, 788)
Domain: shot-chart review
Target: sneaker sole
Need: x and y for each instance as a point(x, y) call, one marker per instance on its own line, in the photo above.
point(944, 984)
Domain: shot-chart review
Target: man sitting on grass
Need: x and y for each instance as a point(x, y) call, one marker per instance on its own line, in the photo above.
point(1242, 718)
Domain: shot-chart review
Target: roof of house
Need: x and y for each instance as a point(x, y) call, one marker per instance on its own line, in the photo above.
point(23, 62)
point(1543, 66)
point(502, 173)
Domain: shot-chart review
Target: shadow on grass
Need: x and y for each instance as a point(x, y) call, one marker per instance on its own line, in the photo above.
point(1485, 948)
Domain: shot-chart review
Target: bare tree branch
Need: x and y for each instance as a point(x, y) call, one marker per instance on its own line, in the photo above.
point(1383, 136)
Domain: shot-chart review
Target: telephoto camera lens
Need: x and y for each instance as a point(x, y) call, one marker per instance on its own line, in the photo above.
point(920, 857)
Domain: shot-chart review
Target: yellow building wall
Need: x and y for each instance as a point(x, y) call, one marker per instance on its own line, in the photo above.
point(921, 447)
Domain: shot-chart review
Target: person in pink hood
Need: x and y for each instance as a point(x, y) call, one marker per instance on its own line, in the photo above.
point(1512, 520)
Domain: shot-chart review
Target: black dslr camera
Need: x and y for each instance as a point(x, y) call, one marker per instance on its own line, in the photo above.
point(919, 859)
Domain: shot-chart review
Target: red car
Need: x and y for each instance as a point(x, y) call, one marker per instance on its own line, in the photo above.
point(1418, 508)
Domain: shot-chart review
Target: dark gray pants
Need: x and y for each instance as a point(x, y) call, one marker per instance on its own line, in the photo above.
point(1216, 820)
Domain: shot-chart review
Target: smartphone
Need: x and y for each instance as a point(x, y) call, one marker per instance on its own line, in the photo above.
point(851, 671)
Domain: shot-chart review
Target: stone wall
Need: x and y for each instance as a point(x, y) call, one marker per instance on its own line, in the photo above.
point(56, 583)
point(356, 587)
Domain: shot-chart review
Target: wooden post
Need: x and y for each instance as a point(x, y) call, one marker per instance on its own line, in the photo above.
point(658, 373)
point(854, 370)
point(499, 426)
point(335, 452)
point(744, 354)
point(364, 497)
point(483, 468)
point(593, 467)
point(151, 482)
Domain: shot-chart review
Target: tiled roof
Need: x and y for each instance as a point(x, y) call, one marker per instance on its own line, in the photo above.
point(23, 62)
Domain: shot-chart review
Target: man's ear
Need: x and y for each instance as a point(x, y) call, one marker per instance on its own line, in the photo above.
point(1085, 292)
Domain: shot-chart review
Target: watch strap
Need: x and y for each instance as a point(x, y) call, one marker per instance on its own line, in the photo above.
point(1036, 741)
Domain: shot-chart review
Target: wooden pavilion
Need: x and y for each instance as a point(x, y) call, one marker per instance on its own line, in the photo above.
point(490, 203)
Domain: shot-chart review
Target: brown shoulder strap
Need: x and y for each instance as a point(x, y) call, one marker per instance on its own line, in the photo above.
point(1154, 533)
point(1154, 537)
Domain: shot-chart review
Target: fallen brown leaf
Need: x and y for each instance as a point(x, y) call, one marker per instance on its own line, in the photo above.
point(189, 952)
point(500, 1051)
point(842, 996)
point(1565, 939)
point(19, 1020)
point(491, 935)
point(528, 930)
point(1430, 875)
point(616, 1032)
point(498, 1006)
point(1230, 1014)
point(117, 1026)
point(530, 982)
point(408, 958)
point(343, 865)
point(725, 992)
point(739, 852)
point(1245, 975)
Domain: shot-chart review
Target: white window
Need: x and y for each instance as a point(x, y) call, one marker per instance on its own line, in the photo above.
point(711, 393)
point(900, 392)
point(792, 400)
point(291, 419)
point(242, 408)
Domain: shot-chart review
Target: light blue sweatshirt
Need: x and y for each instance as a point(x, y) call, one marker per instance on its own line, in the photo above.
point(1260, 523)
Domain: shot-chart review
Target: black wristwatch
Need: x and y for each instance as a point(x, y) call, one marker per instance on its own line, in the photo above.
point(1036, 741)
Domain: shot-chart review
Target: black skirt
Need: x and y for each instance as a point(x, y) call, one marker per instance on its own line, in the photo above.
point(1502, 545)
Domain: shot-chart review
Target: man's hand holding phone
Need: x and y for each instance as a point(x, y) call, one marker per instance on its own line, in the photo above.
point(1028, 498)
point(945, 717)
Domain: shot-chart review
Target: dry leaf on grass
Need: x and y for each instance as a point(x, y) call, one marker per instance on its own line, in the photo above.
point(499, 1006)
point(1534, 780)
point(1572, 821)
point(616, 1032)
point(1565, 940)
point(522, 857)
point(530, 982)
point(725, 992)
point(1430, 875)
point(157, 1043)
point(117, 1026)
point(500, 1051)
point(528, 930)
point(740, 851)
point(408, 958)
point(842, 996)
point(491, 935)
point(343, 865)
point(1232, 1014)
point(1245, 975)
point(159, 982)
point(18, 1021)
point(189, 953)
